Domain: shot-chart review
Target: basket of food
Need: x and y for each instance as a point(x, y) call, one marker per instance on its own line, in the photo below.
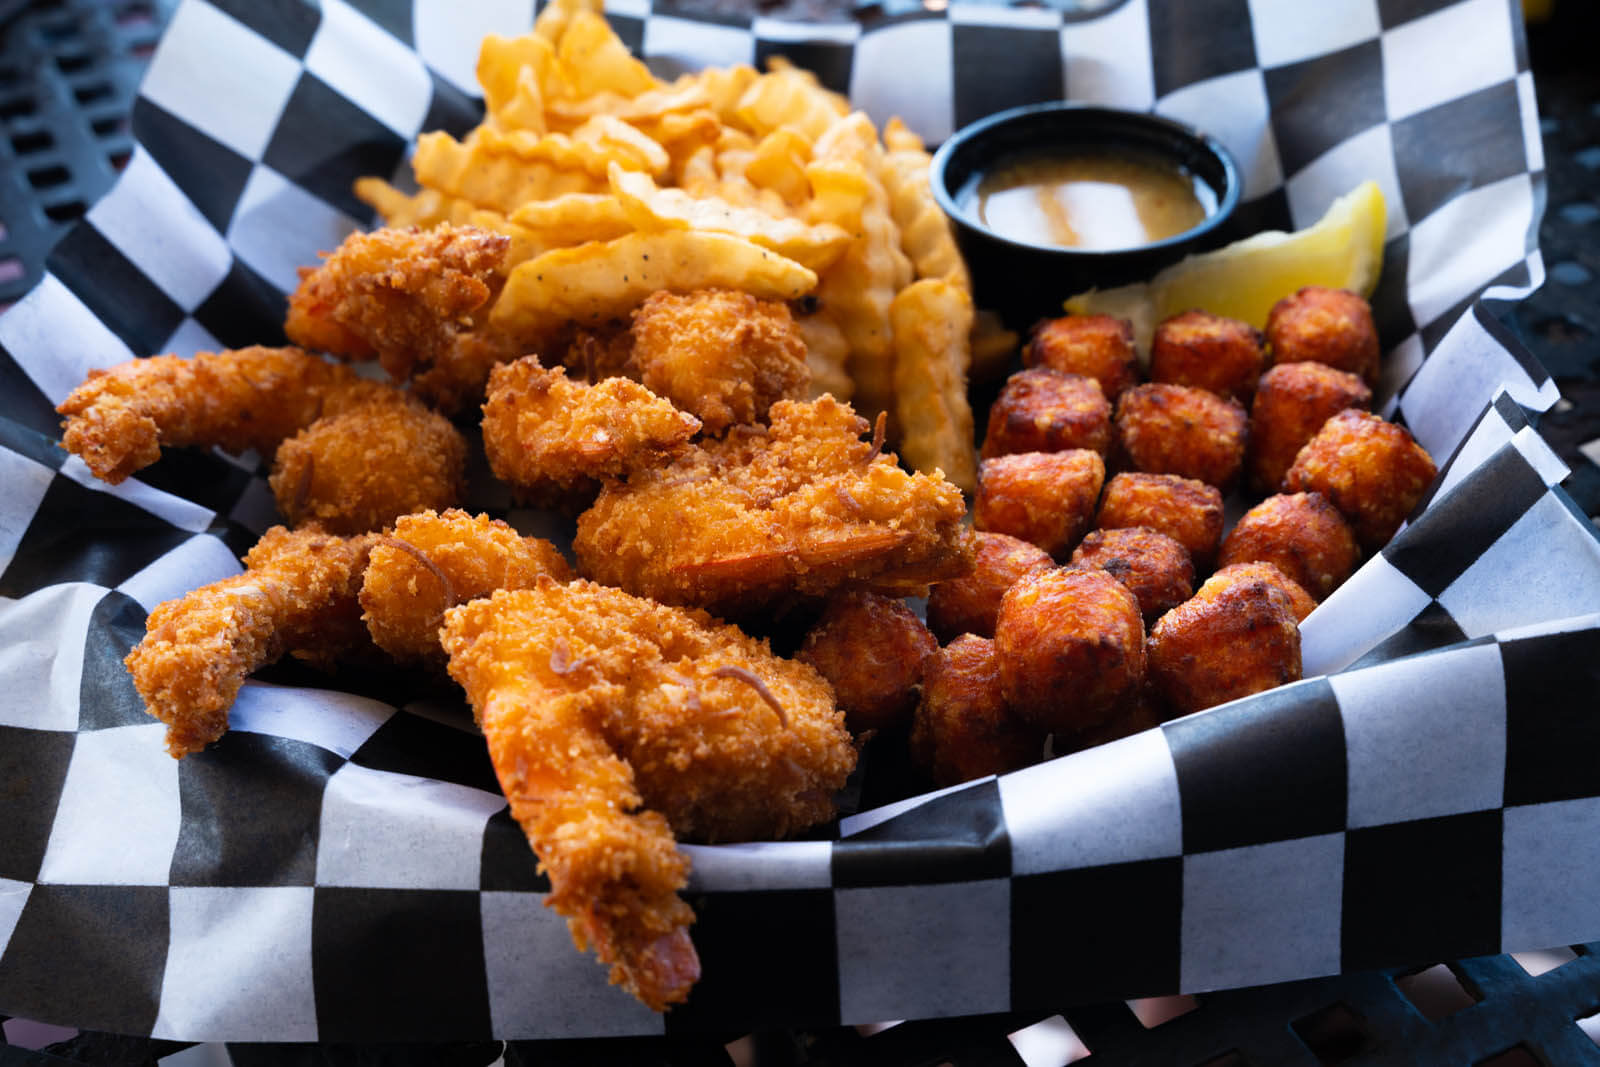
point(595, 405)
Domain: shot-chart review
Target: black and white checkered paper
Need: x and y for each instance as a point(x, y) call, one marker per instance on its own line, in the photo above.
point(341, 867)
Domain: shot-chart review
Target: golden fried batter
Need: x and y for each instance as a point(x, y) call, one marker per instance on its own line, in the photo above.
point(871, 649)
point(1302, 535)
point(361, 469)
point(962, 728)
point(1097, 346)
point(969, 604)
point(721, 355)
point(1301, 603)
point(1292, 402)
point(298, 591)
point(1210, 352)
point(542, 430)
point(119, 419)
point(1177, 429)
point(1235, 637)
point(613, 721)
point(431, 562)
point(1186, 510)
point(1044, 498)
point(1071, 648)
point(1371, 469)
point(400, 295)
point(801, 509)
point(1044, 410)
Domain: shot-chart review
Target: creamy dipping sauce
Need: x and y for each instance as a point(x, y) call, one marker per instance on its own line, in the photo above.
point(1089, 201)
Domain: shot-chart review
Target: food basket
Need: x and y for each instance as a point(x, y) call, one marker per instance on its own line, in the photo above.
point(341, 867)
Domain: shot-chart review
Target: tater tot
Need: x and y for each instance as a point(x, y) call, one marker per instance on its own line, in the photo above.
point(1176, 429)
point(1372, 470)
point(1301, 603)
point(1096, 346)
point(871, 649)
point(361, 469)
point(1207, 351)
point(1155, 568)
point(1044, 498)
point(1332, 326)
point(1233, 638)
point(1145, 712)
point(962, 728)
point(1043, 410)
point(1186, 510)
point(1292, 402)
point(969, 604)
point(1301, 534)
point(1071, 648)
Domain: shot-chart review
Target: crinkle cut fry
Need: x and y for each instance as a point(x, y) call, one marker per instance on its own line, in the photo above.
point(400, 295)
point(119, 419)
point(298, 590)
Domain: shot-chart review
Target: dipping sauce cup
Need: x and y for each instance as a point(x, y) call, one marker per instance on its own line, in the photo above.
point(1001, 182)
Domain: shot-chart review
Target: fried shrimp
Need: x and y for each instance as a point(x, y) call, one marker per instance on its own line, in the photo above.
point(612, 722)
point(401, 296)
point(361, 469)
point(801, 509)
point(432, 561)
point(542, 430)
point(119, 419)
point(721, 355)
point(298, 591)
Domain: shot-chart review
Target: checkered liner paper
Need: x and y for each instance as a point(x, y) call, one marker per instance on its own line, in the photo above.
point(341, 867)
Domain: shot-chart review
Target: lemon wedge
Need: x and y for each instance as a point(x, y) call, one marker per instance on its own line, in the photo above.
point(1341, 250)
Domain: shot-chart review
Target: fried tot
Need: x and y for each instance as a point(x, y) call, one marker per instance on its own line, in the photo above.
point(1176, 429)
point(1332, 326)
point(962, 729)
point(1301, 602)
point(1044, 410)
point(1236, 636)
point(800, 509)
point(119, 419)
point(1371, 469)
point(432, 561)
point(1210, 352)
point(543, 431)
point(1071, 648)
point(298, 591)
point(361, 469)
point(1044, 498)
point(871, 649)
point(1301, 534)
point(1292, 402)
point(1096, 346)
point(1155, 568)
point(612, 722)
point(721, 355)
point(1186, 510)
point(969, 604)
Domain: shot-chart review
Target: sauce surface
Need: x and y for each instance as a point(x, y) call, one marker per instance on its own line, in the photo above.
point(1090, 201)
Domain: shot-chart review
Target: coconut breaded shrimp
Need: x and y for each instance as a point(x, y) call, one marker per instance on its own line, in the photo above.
point(119, 419)
point(542, 430)
point(432, 561)
point(298, 591)
point(613, 721)
point(804, 508)
point(398, 295)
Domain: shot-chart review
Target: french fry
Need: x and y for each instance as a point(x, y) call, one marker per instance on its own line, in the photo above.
point(596, 60)
point(827, 353)
point(573, 219)
point(596, 282)
point(724, 86)
point(925, 233)
point(787, 97)
point(491, 177)
point(517, 73)
point(779, 164)
point(858, 289)
point(649, 207)
point(932, 320)
point(557, 15)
